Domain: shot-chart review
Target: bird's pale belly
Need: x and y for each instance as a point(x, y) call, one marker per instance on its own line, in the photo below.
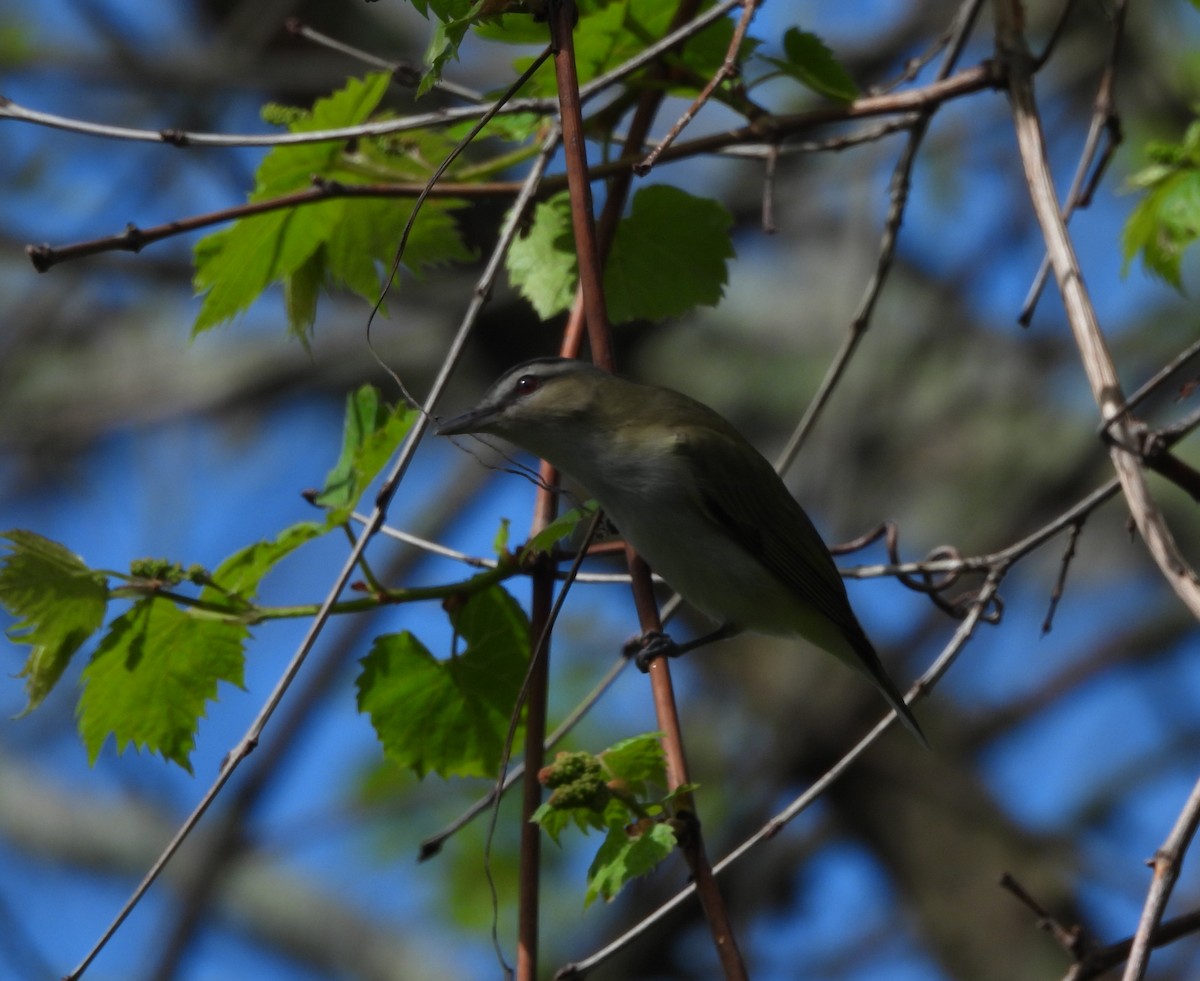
point(710, 570)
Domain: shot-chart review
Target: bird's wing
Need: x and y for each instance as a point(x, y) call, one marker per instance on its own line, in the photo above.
point(744, 495)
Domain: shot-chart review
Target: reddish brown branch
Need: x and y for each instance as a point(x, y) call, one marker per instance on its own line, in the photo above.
point(134, 239)
point(591, 246)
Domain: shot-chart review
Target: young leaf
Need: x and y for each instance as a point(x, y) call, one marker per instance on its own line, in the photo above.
point(58, 603)
point(558, 529)
point(454, 18)
point(500, 542)
point(240, 574)
point(627, 852)
point(541, 263)
point(371, 433)
point(609, 34)
point(150, 678)
point(812, 64)
point(610, 791)
point(1167, 220)
point(637, 761)
point(668, 256)
point(449, 716)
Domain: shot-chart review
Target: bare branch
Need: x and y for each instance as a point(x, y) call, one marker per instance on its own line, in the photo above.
point(1097, 362)
point(729, 69)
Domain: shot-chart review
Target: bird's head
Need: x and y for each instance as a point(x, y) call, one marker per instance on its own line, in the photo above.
point(526, 402)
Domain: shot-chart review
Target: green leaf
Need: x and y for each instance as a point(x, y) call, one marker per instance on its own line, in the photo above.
point(609, 34)
point(287, 168)
point(558, 529)
point(149, 680)
point(449, 716)
point(609, 791)
point(1164, 223)
point(338, 241)
point(626, 854)
point(541, 263)
point(669, 255)
point(500, 542)
point(637, 761)
point(813, 65)
point(240, 574)
point(454, 18)
point(702, 55)
point(58, 603)
point(361, 248)
point(371, 432)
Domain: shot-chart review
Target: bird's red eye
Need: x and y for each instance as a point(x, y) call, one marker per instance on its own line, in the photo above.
point(527, 384)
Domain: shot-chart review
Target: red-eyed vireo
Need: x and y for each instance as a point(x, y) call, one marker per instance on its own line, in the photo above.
point(700, 504)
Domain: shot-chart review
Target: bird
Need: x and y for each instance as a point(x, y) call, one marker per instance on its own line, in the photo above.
point(691, 495)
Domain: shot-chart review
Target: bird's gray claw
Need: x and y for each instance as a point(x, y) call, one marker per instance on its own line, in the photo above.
point(650, 645)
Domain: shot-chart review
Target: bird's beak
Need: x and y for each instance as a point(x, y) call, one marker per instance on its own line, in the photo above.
point(472, 421)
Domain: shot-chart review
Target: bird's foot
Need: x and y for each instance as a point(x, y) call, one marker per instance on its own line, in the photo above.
point(644, 649)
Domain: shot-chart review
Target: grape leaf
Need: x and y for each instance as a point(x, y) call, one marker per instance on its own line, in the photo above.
point(453, 19)
point(1167, 219)
point(669, 255)
point(240, 574)
point(150, 678)
point(449, 716)
point(561, 527)
point(371, 432)
point(625, 855)
point(58, 603)
point(337, 241)
point(637, 761)
point(541, 263)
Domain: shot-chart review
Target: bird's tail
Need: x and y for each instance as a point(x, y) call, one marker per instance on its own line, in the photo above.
point(868, 662)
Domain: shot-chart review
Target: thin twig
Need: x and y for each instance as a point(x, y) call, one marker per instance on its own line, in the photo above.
point(918, 125)
point(1092, 960)
point(1159, 378)
point(1100, 960)
point(1104, 120)
point(965, 82)
point(1060, 582)
point(730, 68)
point(768, 193)
point(133, 238)
point(403, 72)
point(534, 697)
point(186, 138)
point(1072, 939)
point(1166, 864)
